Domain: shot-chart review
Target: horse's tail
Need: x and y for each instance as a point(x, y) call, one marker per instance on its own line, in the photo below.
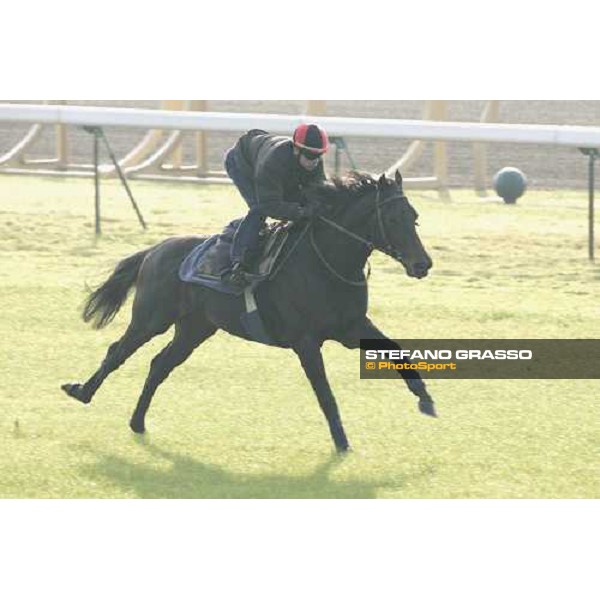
point(104, 303)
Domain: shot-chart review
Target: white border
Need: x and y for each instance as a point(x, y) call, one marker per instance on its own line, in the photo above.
point(299, 549)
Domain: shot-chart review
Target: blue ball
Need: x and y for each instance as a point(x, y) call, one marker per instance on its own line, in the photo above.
point(510, 184)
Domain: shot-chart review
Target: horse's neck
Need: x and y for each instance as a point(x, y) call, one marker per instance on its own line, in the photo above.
point(341, 249)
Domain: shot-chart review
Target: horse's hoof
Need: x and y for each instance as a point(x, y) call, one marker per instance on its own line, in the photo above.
point(427, 407)
point(75, 390)
point(137, 427)
point(341, 450)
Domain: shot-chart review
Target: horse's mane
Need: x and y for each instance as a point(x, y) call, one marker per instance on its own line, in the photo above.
point(339, 191)
point(355, 183)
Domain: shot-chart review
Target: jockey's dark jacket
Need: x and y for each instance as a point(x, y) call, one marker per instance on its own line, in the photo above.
point(269, 162)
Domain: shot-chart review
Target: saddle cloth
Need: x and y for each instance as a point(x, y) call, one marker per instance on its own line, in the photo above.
point(207, 263)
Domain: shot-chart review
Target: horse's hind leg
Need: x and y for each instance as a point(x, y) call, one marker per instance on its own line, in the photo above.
point(190, 332)
point(117, 354)
point(152, 314)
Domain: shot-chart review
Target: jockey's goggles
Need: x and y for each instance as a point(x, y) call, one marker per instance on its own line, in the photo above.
point(309, 155)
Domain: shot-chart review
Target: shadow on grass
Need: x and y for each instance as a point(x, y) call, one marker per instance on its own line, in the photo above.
point(185, 477)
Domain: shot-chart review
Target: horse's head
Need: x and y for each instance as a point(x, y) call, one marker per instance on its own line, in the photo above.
point(394, 227)
point(377, 213)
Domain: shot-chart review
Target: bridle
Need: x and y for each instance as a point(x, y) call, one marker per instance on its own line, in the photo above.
point(388, 248)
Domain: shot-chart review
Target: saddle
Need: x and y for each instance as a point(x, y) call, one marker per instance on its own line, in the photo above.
point(211, 259)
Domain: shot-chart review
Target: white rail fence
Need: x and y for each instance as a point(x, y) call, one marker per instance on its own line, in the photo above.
point(553, 135)
point(160, 157)
point(557, 135)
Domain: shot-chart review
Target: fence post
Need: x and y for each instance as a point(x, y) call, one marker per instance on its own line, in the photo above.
point(439, 111)
point(62, 144)
point(201, 140)
point(490, 114)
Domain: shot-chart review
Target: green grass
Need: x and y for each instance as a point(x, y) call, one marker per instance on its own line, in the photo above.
point(253, 428)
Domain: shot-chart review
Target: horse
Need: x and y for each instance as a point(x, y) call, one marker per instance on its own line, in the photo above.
point(319, 294)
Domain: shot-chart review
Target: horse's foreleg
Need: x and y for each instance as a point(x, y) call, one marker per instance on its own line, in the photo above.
point(189, 334)
point(413, 380)
point(311, 359)
point(116, 355)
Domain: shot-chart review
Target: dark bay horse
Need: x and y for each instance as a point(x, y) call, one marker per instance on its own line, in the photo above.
point(319, 294)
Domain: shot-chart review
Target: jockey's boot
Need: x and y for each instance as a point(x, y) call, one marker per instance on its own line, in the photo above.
point(240, 277)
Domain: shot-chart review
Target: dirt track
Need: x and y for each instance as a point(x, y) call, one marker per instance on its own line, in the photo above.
point(545, 167)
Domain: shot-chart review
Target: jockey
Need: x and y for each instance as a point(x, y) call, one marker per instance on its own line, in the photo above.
point(270, 172)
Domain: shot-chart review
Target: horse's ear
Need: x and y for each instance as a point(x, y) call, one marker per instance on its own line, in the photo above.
point(382, 180)
point(398, 178)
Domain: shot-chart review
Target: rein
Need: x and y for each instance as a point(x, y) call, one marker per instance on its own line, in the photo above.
point(387, 249)
point(359, 283)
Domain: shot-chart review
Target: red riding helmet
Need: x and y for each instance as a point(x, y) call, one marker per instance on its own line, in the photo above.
point(311, 138)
